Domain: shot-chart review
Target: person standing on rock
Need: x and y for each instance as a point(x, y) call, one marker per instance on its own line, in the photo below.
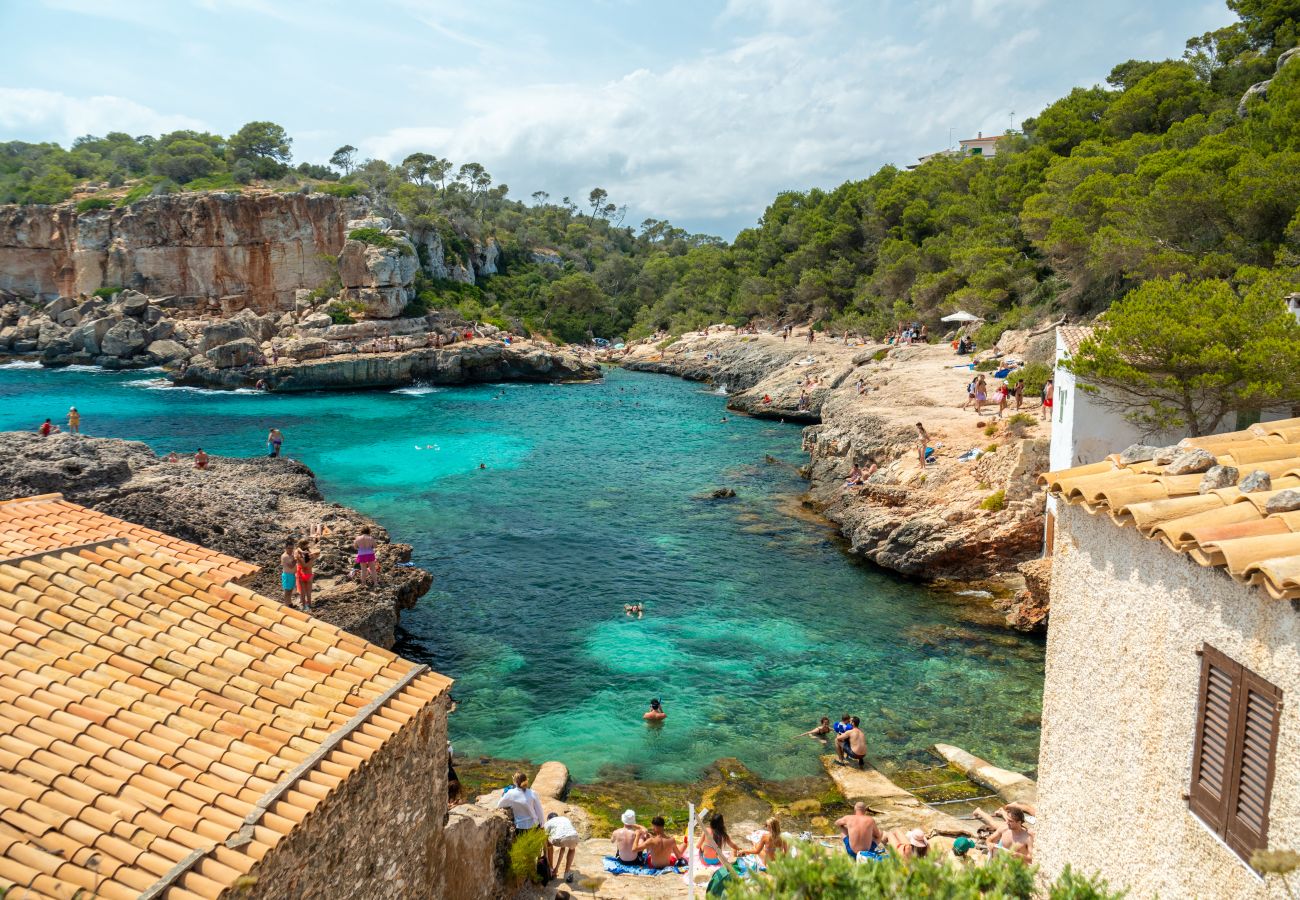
point(365, 545)
point(288, 578)
point(1045, 412)
point(560, 836)
point(303, 572)
point(922, 443)
point(523, 804)
point(74, 421)
point(274, 440)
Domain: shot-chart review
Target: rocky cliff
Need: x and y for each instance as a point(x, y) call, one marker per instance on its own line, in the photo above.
point(226, 251)
point(243, 507)
point(965, 516)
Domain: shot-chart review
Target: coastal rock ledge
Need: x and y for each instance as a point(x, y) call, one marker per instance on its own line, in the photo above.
point(242, 507)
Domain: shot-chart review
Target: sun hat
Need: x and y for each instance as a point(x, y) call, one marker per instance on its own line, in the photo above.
point(962, 846)
point(916, 837)
point(629, 818)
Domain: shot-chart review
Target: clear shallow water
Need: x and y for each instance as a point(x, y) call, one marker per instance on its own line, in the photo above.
point(757, 622)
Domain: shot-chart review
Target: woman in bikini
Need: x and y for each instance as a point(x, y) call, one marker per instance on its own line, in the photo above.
point(303, 564)
point(715, 841)
point(365, 545)
point(771, 844)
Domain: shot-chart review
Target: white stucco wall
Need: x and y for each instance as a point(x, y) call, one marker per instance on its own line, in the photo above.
point(1119, 711)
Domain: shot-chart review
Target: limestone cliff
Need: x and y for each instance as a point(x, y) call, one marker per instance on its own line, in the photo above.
point(243, 507)
point(232, 251)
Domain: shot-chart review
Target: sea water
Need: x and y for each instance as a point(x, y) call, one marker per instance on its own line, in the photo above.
point(542, 509)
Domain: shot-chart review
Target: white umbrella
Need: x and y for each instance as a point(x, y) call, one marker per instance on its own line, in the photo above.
point(962, 316)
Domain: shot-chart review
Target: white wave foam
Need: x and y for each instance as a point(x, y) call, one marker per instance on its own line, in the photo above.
point(417, 390)
point(20, 364)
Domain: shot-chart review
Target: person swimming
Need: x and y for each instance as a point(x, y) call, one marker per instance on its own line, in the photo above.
point(656, 712)
point(634, 609)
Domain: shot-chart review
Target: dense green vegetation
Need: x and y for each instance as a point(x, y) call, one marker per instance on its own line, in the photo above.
point(832, 876)
point(1150, 176)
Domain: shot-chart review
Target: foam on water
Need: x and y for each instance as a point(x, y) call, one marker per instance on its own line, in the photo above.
point(20, 364)
point(756, 622)
point(418, 390)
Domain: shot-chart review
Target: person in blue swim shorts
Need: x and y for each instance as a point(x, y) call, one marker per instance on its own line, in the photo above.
point(288, 581)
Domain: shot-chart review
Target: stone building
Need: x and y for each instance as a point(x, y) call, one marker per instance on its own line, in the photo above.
point(1169, 751)
point(167, 733)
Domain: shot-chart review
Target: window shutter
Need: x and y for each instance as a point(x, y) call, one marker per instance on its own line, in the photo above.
point(1215, 730)
point(1252, 780)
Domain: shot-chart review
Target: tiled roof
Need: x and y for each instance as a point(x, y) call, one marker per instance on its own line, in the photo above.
point(1223, 527)
point(161, 732)
point(36, 524)
point(1074, 335)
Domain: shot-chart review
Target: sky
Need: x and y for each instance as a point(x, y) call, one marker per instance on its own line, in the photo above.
point(698, 112)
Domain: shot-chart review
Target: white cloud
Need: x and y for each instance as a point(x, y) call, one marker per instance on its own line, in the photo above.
point(62, 118)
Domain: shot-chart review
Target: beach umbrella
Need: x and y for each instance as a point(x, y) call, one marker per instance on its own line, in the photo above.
point(962, 316)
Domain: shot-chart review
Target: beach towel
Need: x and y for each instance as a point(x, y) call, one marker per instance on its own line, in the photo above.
point(616, 866)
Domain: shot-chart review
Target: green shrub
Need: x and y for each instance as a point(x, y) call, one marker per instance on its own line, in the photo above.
point(223, 181)
point(1021, 420)
point(988, 365)
point(376, 238)
point(524, 853)
point(139, 191)
point(666, 343)
point(339, 189)
point(107, 290)
point(1035, 375)
point(816, 872)
point(990, 429)
point(987, 334)
point(991, 448)
point(93, 203)
point(995, 502)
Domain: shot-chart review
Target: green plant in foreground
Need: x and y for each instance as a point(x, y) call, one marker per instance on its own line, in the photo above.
point(107, 290)
point(523, 856)
point(1021, 420)
point(834, 876)
point(995, 502)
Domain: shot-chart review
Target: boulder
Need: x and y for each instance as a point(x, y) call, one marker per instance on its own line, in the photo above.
point(88, 335)
point(59, 306)
point(1218, 477)
point(166, 351)
point(132, 303)
point(163, 331)
point(307, 348)
point(379, 277)
point(1258, 480)
point(123, 339)
point(236, 353)
point(379, 302)
point(721, 494)
point(1165, 455)
point(219, 333)
point(317, 320)
point(50, 333)
point(1190, 462)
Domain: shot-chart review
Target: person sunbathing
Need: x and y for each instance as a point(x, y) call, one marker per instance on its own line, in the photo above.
point(661, 850)
point(908, 844)
point(855, 477)
point(1013, 837)
point(860, 831)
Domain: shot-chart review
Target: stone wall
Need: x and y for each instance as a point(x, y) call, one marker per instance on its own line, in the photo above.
point(1120, 704)
point(380, 834)
point(476, 853)
point(238, 251)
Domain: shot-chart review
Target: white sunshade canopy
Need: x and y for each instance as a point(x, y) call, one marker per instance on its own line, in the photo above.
point(961, 316)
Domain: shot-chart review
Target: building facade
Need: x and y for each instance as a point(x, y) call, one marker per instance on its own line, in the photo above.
point(1170, 746)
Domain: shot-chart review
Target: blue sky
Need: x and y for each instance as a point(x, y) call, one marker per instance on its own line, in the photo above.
point(694, 111)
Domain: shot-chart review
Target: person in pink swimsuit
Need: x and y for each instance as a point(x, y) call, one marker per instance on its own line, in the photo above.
point(365, 545)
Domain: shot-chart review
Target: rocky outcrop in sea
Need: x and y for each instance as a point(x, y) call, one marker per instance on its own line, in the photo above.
point(243, 507)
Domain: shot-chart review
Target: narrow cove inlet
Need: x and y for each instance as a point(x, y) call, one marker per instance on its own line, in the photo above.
point(541, 510)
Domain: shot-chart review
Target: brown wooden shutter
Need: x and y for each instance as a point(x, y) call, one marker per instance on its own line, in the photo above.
point(1252, 778)
point(1215, 731)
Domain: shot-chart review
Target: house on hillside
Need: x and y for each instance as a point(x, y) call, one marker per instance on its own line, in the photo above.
point(166, 733)
point(977, 146)
point(1170, 747)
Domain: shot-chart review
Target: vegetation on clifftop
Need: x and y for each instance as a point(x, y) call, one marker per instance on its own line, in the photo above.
point(1149, 176)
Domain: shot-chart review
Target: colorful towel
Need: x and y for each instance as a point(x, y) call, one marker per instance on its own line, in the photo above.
point(616, 866)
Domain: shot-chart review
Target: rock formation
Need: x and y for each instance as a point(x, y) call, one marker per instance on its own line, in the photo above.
point(243, 507)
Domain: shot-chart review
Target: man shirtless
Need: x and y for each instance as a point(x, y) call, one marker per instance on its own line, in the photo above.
point(853, 745)
point(661, 850)
point(1014, 837)
point(860, 831)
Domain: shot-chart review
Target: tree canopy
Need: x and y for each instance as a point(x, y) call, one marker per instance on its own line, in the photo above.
point(1184, 356)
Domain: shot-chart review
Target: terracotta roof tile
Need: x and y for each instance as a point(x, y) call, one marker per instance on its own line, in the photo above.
point(1223, 527)
point(1074, 335)
point(147, 704)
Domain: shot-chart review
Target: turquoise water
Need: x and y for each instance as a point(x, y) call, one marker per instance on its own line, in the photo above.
point(757, 622)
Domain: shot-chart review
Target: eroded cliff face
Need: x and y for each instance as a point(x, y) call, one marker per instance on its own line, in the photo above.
point(226, 251)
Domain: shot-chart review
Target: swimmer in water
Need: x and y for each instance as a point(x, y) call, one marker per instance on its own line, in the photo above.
point(634, 609)
point(656, 713)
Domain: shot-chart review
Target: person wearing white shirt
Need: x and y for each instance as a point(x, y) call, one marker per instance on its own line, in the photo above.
point(523, 804)
point(562, 836)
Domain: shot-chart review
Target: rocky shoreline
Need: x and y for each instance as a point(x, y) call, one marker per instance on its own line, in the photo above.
point(962, 523)
point(242, 507)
